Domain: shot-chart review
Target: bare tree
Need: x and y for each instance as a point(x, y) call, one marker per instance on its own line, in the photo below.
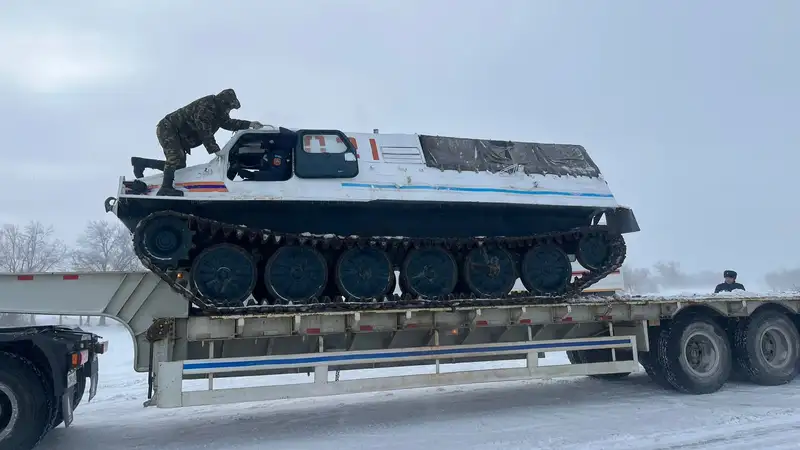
point(102, 247)
point(30, 248)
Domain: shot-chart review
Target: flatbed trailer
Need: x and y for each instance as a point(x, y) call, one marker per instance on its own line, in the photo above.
point(43, 373)
point(693, 344)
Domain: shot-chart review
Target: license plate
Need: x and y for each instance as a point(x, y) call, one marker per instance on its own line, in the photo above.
point(72, 378)
point(94, 378)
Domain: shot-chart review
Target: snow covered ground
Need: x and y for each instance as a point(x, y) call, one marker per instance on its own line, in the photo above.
point(569, 413)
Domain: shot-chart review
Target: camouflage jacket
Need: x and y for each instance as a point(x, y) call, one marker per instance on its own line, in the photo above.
point(197, 122)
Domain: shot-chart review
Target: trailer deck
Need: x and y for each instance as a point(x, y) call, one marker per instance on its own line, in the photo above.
point(604, 336)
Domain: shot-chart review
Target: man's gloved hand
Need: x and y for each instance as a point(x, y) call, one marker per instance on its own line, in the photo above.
point(256, 125)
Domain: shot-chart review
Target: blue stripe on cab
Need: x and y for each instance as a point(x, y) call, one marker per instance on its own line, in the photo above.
point(475, 189)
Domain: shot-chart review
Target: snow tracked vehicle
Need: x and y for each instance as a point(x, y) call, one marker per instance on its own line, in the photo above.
point(285, 220)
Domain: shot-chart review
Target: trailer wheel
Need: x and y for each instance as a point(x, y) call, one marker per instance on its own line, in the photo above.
point(650, 362)
point(766, 347)
point(24, 406)
point(694, 354)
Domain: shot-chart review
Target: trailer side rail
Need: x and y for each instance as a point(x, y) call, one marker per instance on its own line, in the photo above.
point(170, 375)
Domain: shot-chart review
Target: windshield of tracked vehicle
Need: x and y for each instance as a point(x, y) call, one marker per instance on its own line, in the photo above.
point(323, 143)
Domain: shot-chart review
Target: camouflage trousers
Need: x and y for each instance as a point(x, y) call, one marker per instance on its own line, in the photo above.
point(171, 144)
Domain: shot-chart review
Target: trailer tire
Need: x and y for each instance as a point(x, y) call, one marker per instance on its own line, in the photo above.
point(25, 411)
point(756, 338)
point(694, 354)
point(649, 360)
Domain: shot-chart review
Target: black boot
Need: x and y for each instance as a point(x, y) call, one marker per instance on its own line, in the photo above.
point(166, 185)
point(136, 187)
point(139, 164)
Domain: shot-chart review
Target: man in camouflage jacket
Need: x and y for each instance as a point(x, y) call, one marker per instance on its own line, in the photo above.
point(196, 123)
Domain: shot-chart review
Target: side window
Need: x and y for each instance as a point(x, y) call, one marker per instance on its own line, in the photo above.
point(323, 143)
point(325, 154)
point(261, 157)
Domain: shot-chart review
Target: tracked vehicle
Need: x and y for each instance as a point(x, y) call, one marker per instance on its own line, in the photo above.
point(315, 220)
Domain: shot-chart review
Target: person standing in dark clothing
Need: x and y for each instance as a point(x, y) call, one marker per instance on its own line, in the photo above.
point(730, 283)
point(196, 123)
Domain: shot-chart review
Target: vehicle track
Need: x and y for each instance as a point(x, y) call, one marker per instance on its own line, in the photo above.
point(206, 232)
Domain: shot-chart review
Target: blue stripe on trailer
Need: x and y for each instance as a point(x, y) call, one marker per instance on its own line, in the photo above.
point(386, 355)
point(474, 189)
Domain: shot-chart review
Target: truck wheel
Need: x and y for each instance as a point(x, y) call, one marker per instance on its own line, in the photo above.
point(77, 396)
point(694, 354)
point(766, 346)
point(650, 363)
point(649, 360)
point(24, 406)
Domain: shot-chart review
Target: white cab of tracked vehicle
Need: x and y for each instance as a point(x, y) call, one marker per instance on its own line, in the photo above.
point(388, 166)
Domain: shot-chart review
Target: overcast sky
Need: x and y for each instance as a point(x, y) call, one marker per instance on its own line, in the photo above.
point(690, 108)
